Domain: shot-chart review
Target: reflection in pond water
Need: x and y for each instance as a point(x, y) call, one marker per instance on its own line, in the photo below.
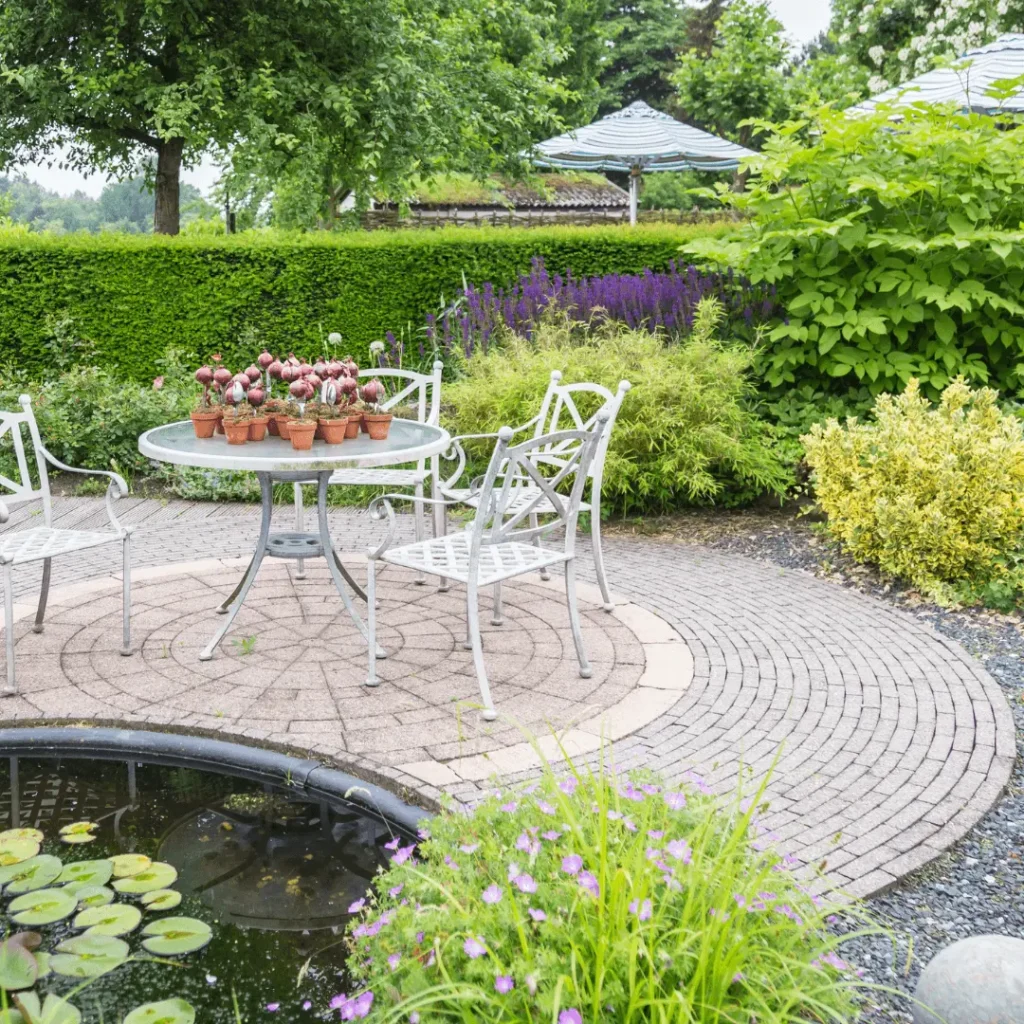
point(272, 870)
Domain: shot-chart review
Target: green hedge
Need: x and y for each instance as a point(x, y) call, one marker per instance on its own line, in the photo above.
point(132, 297)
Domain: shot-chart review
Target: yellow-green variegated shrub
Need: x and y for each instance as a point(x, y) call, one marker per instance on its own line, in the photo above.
point(931, 494)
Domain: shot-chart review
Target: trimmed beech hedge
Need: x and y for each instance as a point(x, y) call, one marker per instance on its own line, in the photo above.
point(134, 296)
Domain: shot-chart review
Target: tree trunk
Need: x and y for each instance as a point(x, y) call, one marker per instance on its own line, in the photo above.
point(168, 179)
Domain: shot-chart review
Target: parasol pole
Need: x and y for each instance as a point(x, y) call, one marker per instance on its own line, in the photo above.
point(634, 191)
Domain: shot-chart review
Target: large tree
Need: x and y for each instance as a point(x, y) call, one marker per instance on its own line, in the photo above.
point(744, 76)
point(647, 38)
point(380, 89)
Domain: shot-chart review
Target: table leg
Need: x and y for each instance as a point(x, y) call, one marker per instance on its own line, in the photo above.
point(333, 561)
point(238, 597)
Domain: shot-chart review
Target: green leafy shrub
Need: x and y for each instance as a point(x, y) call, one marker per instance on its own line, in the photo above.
point(594, 898)
point(134, 296)
point(685, 434)
point(930, 495)
point(896, 252)
point(90, 418)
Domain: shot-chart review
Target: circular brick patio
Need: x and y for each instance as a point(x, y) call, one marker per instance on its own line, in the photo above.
point(884, 741)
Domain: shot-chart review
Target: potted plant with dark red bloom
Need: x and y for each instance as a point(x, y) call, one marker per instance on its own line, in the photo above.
point(206, 414)
point(377, 421)
point(302, 425)
point(258, 420)
point(221, 379)
point(348, 400)
point(237, 412)
point(331, 417)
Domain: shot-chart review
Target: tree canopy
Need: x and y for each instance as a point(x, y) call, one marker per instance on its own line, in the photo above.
point(371, 90)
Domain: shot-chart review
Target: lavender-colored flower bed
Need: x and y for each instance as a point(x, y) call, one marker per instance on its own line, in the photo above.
point(662, 300)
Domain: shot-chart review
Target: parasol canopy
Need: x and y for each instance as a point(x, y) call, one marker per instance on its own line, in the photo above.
point(639, 139)
point(967, 82)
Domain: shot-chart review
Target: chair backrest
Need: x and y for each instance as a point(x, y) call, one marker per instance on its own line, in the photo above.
point(559, 411)
point(20, 488)
point(517, 484)
point(420, 389)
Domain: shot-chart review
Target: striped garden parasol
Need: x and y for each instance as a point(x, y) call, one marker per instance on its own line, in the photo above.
point(638, 139)
point(966, 82)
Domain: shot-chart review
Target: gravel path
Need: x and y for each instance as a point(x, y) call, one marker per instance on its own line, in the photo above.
point(978, 886)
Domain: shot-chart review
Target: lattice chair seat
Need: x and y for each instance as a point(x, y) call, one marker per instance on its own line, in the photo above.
point(382, 477)
point(44, 542)
point(448, 556)
point(525, 498)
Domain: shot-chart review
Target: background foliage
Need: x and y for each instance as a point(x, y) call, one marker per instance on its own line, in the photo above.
point(133, 297)
point(685, 435)
point(894, 253)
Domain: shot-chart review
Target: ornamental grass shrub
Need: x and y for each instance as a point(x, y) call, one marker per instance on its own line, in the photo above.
point(687, 432)
point(930, 494)
point(596, 898)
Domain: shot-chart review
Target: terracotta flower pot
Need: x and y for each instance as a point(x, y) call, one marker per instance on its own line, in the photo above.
point(204, 421)
point(300, 433)
point(258, 428)
point(272, 424)
point(282, 426)
point(220, 421)
point(377, 425)
point(319, 435)
point(352, 427)
point(237, 431)
point(333, 431)
point(362, 424)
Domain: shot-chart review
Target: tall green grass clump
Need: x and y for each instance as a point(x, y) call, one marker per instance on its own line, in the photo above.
point(596, 898)
point(687, 433)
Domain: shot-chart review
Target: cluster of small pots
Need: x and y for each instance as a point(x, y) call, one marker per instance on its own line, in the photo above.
point(240, 405)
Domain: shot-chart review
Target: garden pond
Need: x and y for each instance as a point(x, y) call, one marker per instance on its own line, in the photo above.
point(271, 870)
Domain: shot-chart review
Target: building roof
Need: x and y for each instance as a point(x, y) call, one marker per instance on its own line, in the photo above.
point(572, 190)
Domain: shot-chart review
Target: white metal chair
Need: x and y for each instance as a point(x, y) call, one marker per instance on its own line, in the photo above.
point(424, 391)
point(558, 411)
point(497, 545)
point(44, 542)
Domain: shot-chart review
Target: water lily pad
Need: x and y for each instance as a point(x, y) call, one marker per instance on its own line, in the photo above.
point(88, 872)
point(115, 919)
point(90, 895)
point(174, 935)
point(44, 906)
point(34, 873)
point(169, 1011)
point(53, 1011)
point(128, 864)
point(157, 876)
point(89, 956)
point(11, 1016)
point(15, 850)
point(18, 967)
point(78, 832)
point(161, 899)
point(43, 962)
point(21, 833)
point(30, 940)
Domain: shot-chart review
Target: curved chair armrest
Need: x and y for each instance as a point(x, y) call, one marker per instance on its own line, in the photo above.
point(4, 513)
point(116, 489)
point(381, 508)
point(457, 452)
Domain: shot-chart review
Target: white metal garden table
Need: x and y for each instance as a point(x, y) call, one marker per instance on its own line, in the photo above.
point(273, 459)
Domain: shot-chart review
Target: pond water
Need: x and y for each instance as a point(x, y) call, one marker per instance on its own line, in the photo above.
point(272, 870)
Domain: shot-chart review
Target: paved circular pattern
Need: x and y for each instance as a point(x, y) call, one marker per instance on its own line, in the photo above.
point(882, 742)
point(293, 666)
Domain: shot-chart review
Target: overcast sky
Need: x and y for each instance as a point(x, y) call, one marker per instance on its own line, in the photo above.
point(803, 19)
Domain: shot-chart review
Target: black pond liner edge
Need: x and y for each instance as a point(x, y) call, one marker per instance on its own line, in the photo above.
point(240, 760)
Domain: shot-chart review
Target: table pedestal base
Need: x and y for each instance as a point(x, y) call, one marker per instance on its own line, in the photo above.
point(293, 544)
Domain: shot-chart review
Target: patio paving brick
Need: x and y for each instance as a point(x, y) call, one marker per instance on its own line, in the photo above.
point(884, 740)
